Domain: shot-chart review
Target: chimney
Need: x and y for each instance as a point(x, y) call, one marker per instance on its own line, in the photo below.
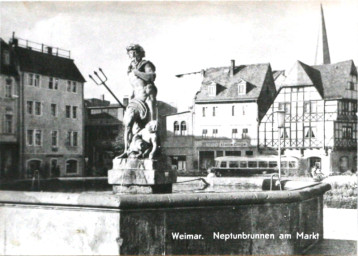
point(125, 101)
point(202, 73)
point(49, 50)
point(102, 97)
point(232, 67)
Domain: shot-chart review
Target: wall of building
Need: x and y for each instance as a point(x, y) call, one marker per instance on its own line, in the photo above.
point(47, 123)
point(244, 117)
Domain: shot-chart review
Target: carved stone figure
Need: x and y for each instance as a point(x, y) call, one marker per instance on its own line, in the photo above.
point(142, 106)
point(144, 143)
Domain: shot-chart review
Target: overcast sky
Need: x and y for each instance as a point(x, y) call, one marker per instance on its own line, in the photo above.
point(183, 37)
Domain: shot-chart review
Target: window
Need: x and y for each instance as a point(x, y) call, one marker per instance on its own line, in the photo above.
point(249, 153)
point(30, 137)
point(53, 109)
point(234, 164)
point(214, 111)
point(241, 88)
point(74, 112)
point(68, 111)
point(203, 111)
point(233, 153)
point(30, 79)
point(243, 164)
point(243, 110)
point(38, 108)
point(74, 87)
point(176, 128)
point(233, 110)
point(37, 81)
point(72, 138)
point(8, 123)
point(350, 85)
point(68, 88)
point(212, 91)
point(263, 164)
point(223, 165)
point(183, 128)
point(69, 138)
point(347, 132)
point(285, 106)
point(8, 88)
point(50, 83)
point(56, 84)
point(75, 139)
point(234, 133)
point(6, 57)
point(54, 138)
point(205, 133)
point(272, 164)
point(309, 132)
point(29, 107)
point(215, 132)
point(71, 166)
point(252, 164)
point(244, 133)
point(38, 137)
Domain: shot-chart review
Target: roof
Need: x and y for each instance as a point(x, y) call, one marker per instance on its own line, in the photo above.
point(329, 79)
point(6, 69)
point(255, 158)
point(47, 64)
point(227, 89)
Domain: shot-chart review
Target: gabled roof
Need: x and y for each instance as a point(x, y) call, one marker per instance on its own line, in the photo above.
point(47, 64)
point(329, 79)
point(335, 77)
point(227, 89)
point(6, 69)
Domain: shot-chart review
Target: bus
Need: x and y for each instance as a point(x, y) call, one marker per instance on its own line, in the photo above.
point(243, 166)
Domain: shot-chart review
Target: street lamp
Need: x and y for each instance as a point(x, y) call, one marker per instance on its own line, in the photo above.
point(280, 121)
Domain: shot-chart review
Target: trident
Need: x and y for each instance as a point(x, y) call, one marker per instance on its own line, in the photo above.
point(102, 81)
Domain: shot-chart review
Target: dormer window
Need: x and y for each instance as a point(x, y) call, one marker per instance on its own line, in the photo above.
point(241, 87)
point(212, 89)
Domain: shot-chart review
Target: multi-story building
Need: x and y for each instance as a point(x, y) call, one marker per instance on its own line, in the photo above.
point(9, 132)
point(51, 110)
point(320, 104)
point(103, 135)
point(226, 115)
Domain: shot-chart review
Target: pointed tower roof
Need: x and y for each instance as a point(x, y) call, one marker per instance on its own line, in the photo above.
point(322, 50)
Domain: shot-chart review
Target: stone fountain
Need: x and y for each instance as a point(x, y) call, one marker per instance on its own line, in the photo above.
point(141, 168)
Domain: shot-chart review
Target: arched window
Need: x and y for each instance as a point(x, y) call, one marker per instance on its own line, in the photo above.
point(176, 128)
point(183, 128)
point(71, 166)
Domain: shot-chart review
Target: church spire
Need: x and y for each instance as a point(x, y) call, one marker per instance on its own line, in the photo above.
point(325, 49)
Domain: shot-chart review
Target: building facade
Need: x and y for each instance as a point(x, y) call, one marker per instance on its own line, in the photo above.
point(9, 105)
point(320, 104)
point(225, 117)
point(50, 111)
point(103, 135)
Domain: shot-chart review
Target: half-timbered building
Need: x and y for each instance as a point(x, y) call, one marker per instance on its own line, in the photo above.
point(320, 104)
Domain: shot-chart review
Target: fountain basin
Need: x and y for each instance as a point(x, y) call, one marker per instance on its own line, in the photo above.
point(53, 223)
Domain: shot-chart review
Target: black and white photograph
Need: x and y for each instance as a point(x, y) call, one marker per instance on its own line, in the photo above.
point(178, 127)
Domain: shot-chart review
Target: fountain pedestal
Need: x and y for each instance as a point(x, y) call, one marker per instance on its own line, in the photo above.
point(132, 175)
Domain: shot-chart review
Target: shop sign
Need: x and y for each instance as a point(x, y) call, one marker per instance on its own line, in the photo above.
point(223, 144)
